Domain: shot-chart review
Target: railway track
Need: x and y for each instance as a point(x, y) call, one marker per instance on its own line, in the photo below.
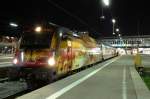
point(11, 88)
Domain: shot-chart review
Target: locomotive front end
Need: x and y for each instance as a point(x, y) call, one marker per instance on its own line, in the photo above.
point(34, 57)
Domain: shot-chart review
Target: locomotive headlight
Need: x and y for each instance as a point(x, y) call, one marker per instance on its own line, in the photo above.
point(38, 29)
point(51, 61)
point(15, 61)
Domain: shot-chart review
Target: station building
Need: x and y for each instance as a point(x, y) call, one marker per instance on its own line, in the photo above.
point(7, 44)
point(130, 44)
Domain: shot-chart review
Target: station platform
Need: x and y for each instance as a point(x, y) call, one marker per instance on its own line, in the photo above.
point(6, 60)
point(113, 79)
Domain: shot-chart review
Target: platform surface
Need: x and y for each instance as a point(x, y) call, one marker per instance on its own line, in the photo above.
point(108, 80)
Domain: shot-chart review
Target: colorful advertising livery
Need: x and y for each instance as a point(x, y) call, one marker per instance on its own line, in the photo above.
point(48, 53)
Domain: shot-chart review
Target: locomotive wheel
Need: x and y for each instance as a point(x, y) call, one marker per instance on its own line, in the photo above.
point(51, 76)
point(13, 74)
point(32, 82)
point(35, 79)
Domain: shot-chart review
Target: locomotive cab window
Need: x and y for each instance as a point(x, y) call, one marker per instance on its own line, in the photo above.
point(33, 40)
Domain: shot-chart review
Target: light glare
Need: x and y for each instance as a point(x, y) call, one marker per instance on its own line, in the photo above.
point(106, 2)
point(15, 61)
point(51, 61)
point(113, 21)
point(119, 35)
point(117, 30)
point(22, 56)
point(38, 29)
point(13, 24)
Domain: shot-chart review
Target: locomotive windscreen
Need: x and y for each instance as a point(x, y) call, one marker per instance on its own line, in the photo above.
point(34, 40)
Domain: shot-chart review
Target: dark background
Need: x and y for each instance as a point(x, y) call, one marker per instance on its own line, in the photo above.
point(131, 15)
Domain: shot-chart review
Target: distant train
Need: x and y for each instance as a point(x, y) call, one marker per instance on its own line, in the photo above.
point(43, 54)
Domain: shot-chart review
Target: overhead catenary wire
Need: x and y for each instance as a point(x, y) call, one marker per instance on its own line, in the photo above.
point(71, 14)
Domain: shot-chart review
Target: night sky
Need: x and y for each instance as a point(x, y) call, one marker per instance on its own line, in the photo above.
point(82, 15)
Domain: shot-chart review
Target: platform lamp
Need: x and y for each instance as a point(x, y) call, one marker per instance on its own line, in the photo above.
point(113, 21)
point(104, 3)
